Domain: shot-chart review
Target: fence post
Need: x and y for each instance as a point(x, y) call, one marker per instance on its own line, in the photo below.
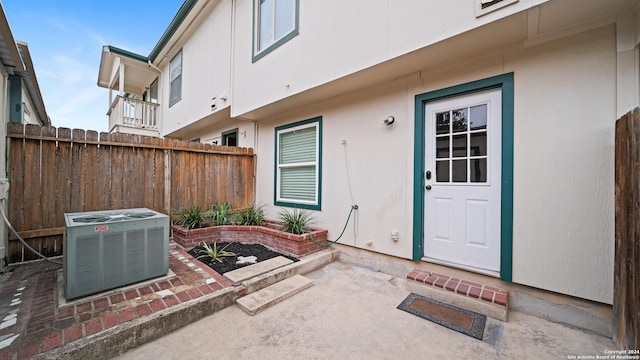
point(626, 281)
point(167, 181)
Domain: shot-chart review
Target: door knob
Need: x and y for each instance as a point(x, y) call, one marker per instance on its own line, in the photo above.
point(428, 187)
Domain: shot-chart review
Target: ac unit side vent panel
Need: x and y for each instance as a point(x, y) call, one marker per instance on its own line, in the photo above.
point(113, 255)
point(155, 246)
point(126, 247)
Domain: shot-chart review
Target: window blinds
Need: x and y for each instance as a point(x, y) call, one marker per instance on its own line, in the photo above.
point(297, 163)
point(277, 19)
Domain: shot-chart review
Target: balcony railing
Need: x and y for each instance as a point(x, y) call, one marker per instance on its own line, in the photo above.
point(131, 113)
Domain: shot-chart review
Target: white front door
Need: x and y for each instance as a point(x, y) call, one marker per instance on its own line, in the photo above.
point(462, 180)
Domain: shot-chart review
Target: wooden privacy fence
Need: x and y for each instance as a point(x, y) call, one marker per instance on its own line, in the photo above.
point(56, 171)
point(626, 293)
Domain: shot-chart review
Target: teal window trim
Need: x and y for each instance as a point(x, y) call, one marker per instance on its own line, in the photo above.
point(258, 54)
point(225, 134)
point(505, 82)
point(289, 203)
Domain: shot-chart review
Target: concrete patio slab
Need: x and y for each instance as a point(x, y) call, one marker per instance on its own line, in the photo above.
point(239, 275)
point(274, 294)
point(36, 322)
point(350, 313)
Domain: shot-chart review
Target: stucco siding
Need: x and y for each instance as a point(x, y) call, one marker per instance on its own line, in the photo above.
point(565, 107)
point(565, 112)
point(377, 161)
point(246, 132)
point(323, 51)
point(29, 114)
point(206, 60)
point(564, 118)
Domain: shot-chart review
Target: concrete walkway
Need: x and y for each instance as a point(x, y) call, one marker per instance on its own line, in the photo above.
point(350, 313)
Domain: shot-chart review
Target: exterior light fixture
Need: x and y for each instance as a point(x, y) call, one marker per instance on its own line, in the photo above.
point(388, 121)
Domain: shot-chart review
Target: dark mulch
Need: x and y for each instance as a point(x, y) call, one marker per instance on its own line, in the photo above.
point(229, 263)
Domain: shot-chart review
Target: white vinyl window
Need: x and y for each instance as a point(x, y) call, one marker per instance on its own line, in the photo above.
point(298, 167)
point(175, 78)
point(276, 22)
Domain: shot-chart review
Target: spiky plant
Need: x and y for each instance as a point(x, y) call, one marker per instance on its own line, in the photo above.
point(213, 252)
point(253, 215)
point(296, 221)
point(191, 218)
point(220, 213)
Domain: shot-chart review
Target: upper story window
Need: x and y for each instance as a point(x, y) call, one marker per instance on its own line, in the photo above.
point(153, 91)
point(175, 78)
point(298, 164)
point(275, 22)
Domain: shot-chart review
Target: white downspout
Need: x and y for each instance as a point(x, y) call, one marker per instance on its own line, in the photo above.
point(153, 66)
point(232, 49)
point(121, 80)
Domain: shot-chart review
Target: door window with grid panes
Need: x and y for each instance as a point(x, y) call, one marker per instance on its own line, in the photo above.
point(461, 145)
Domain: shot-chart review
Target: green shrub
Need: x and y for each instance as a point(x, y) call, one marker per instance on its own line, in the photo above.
point(253, 216)
point(213, 252)
point(221, 214)
point(296, 221)
point(191, 218)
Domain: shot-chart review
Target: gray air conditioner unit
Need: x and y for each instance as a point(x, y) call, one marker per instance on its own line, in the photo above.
point(108, 249)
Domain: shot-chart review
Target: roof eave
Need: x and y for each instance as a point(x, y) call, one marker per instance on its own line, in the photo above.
point(181, 15)
point(7, 35)
point(122, 52)
point(31, 82)
point(109, 53)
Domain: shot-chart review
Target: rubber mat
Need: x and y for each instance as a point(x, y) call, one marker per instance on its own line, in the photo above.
point(461, 320)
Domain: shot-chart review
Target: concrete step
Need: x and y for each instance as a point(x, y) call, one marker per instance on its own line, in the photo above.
point(471, 295)
point(271, 295)
point(239, 275)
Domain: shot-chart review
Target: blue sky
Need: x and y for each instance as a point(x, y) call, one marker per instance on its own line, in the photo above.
point(65, 39)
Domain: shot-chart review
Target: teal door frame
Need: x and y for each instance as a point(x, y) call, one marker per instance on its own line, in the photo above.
point(504, 82)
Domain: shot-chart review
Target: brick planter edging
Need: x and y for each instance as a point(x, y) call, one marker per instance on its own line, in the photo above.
point(290, 244)
point(471, 289)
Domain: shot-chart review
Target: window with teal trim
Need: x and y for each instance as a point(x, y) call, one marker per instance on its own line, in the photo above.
point(275, 22)
point(298, 164)
point(230, 137)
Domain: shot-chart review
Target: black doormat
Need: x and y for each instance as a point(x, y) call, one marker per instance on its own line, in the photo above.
point(461, 320)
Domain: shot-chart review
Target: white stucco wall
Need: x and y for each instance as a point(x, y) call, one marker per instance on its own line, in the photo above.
point(568, 80)
point(331, 44)
point(246, 132)
point(378, 164)
point(28, 105)
point(206, 59)
point(565, 110)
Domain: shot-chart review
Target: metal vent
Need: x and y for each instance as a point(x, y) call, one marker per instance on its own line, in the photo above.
point(486, 3)
point(111, 216)
point(108, 249)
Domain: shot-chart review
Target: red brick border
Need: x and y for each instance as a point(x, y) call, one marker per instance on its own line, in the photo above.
point(463, 287)
point(290, 244)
